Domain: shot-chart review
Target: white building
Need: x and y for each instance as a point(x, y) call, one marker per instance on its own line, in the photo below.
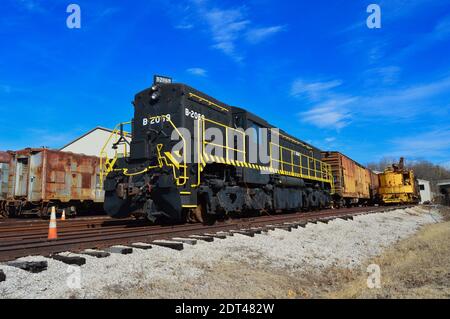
point(425, 191)
point(93, 142)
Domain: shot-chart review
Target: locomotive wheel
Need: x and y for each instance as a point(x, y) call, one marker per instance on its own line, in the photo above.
point(201, 215)
point(198, 214)
point(3, 210)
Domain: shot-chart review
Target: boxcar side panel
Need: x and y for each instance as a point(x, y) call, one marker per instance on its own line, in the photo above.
point(35, 181)
point(356, 180)
point(70, 177)
point(352, 181)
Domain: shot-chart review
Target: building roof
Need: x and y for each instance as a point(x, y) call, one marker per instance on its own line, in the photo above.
point(87, 133)
point(443, 182)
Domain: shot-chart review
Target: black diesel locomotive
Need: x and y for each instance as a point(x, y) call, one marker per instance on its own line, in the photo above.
point(177, 170)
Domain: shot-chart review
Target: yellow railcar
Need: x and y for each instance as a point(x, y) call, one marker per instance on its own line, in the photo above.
point(398, 185)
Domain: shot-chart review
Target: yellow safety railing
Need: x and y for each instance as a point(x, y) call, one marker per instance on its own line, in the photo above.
point(288, 165)
point(231, 153)
point(107, 161)
point(306, 166)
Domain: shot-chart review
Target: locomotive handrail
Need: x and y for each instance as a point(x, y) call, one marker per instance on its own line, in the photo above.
point(182, 178)
point(106, 163)
point(226, 148)
point(315, 169)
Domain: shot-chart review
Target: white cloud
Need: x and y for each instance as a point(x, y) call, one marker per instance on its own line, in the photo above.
point(229, 28)
point(314, 90)
point(404, 102)
point(331, 114)
point(257, 35)
point(184, 26)
point(197, 71)
point(331, 107)
point(434, 143)
point(226, 25)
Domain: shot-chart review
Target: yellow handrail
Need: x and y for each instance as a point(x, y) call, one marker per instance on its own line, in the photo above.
point(106, 163)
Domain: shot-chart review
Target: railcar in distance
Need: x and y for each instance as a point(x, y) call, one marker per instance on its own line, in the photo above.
point(354, 184)
point(398, 185)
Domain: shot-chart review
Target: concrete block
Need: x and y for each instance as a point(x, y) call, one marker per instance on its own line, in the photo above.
point(31, 266)
point(141, 246)
point(70, 260)
point(120, 250)
point(188, 241)
point(96, 253)
point(169, 244)
point(204, 238)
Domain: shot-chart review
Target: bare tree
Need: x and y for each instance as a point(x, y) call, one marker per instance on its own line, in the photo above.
point(382, 164)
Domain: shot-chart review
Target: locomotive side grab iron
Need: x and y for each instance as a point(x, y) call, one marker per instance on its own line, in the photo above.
point(193, 157)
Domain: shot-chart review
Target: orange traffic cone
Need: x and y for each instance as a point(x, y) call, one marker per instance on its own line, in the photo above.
point(52, 231)
point(63, 216)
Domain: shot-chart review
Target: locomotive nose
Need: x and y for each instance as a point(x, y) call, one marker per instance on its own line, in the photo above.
point(159, 198)
point(114, 205)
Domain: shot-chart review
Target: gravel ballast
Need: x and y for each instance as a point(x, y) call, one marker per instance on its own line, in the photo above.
point(200, 270)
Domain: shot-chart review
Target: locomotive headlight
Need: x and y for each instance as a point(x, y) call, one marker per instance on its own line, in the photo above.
point(155, 95)
point(154, 88)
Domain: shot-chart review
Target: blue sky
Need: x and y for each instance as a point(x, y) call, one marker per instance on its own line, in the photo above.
point(312, 68)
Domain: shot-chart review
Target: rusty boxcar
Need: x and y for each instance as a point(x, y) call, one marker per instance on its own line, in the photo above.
point(352, 181)
point(38, 178)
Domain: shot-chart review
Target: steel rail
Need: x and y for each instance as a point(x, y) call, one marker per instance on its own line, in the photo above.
point(124, 232)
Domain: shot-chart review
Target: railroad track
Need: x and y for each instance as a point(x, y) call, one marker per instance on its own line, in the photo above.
point(23, 239)
point(34, 220)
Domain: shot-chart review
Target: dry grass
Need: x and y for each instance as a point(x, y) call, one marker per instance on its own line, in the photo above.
point(445, 212)
point(418, 267)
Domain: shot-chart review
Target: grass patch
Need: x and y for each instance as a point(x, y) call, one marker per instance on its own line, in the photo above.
point(417, 267)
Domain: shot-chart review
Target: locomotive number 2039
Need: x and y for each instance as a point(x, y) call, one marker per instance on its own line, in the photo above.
point(156, 119)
